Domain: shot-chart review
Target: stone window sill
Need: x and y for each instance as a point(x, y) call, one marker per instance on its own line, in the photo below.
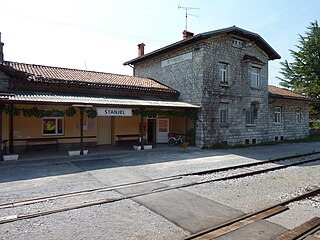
point(224, 84)
point(256, 88)
point(224, 125)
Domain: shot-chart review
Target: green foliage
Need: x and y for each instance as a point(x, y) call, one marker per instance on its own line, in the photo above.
point(303, 74)
point(11, 110)
point(36, 112)
point(92, 113)
point(71, 111)
point(33, 112)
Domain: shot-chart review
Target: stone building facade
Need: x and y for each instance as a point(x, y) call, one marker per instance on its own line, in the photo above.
point(288, 115)
point(225, 72)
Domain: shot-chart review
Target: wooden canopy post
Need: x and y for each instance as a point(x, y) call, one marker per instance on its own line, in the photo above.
point(141, 129)
point(11, 130)
point(81, 129)
point(81, 108)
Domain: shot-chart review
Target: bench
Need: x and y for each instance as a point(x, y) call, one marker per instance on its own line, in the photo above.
point(121, 137)
point(42, 141)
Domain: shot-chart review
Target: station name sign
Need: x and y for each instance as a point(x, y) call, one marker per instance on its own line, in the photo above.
point(177, 59)
point(114, 112)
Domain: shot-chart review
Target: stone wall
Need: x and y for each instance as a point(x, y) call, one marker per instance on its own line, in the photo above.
point(197, 80)
point(184, 76)
point(238, 93)
point(288, 128)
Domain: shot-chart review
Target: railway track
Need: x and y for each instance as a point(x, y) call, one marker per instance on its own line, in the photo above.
point(301, 232)
point(94, 202)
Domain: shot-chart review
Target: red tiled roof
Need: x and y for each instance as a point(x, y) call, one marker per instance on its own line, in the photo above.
point(40, 73)
point(284, 93)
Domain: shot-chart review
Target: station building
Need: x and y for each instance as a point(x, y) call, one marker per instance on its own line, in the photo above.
point(225, 72)
point(65, 107)
point(211, 87)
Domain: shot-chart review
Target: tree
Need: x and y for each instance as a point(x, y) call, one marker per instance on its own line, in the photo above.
point(303, 74)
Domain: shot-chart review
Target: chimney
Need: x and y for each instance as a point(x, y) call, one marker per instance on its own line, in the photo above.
point(1, 50)
point(141, 49)
point(187, 34)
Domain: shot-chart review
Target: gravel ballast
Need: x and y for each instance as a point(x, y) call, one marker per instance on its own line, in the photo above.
point(127, 219)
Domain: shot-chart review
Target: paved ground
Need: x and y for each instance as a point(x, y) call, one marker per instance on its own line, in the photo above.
point(167, 215)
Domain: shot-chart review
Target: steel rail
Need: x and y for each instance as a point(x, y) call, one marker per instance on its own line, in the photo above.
point(162, 179)
point(12, 218)
point(228, 223)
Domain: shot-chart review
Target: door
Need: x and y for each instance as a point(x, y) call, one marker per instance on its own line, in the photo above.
point(162, 130)
point(103, 130)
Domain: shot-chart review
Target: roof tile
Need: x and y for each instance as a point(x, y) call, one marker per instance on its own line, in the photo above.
point(281, 92)
point(40, 73)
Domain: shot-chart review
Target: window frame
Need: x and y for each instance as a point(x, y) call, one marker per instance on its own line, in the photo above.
point(298, 114)
point(277, 114)
point(250, 117)
point(57, 131)
point(223, 72)
point(255, 77)
point(224, 113)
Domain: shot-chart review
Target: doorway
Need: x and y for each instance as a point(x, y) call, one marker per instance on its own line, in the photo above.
point(162, 130)
point(151, 131)
point(103, 130)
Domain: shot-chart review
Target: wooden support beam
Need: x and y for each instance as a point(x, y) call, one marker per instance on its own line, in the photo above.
point(11, 130)
point(300, 230)
point(81, 129)
point(141, 130)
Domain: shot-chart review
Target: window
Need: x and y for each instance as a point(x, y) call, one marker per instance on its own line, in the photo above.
point(237, 43)
point(277, 114)
point(223, 72)
point(255, 77)
point(249, 117)
point(224, 113)
point(298, 115)
point(52, 126)
point(252, 113)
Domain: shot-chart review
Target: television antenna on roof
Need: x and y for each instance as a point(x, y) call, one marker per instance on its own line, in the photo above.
point(188, 14)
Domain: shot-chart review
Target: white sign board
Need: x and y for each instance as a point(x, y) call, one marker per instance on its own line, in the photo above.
point(114, 112)
point(177, 59)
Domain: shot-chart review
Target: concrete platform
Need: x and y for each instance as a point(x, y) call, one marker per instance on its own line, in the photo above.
point(187, 210)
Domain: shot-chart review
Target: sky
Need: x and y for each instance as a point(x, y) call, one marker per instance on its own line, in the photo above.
point(100, 35)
